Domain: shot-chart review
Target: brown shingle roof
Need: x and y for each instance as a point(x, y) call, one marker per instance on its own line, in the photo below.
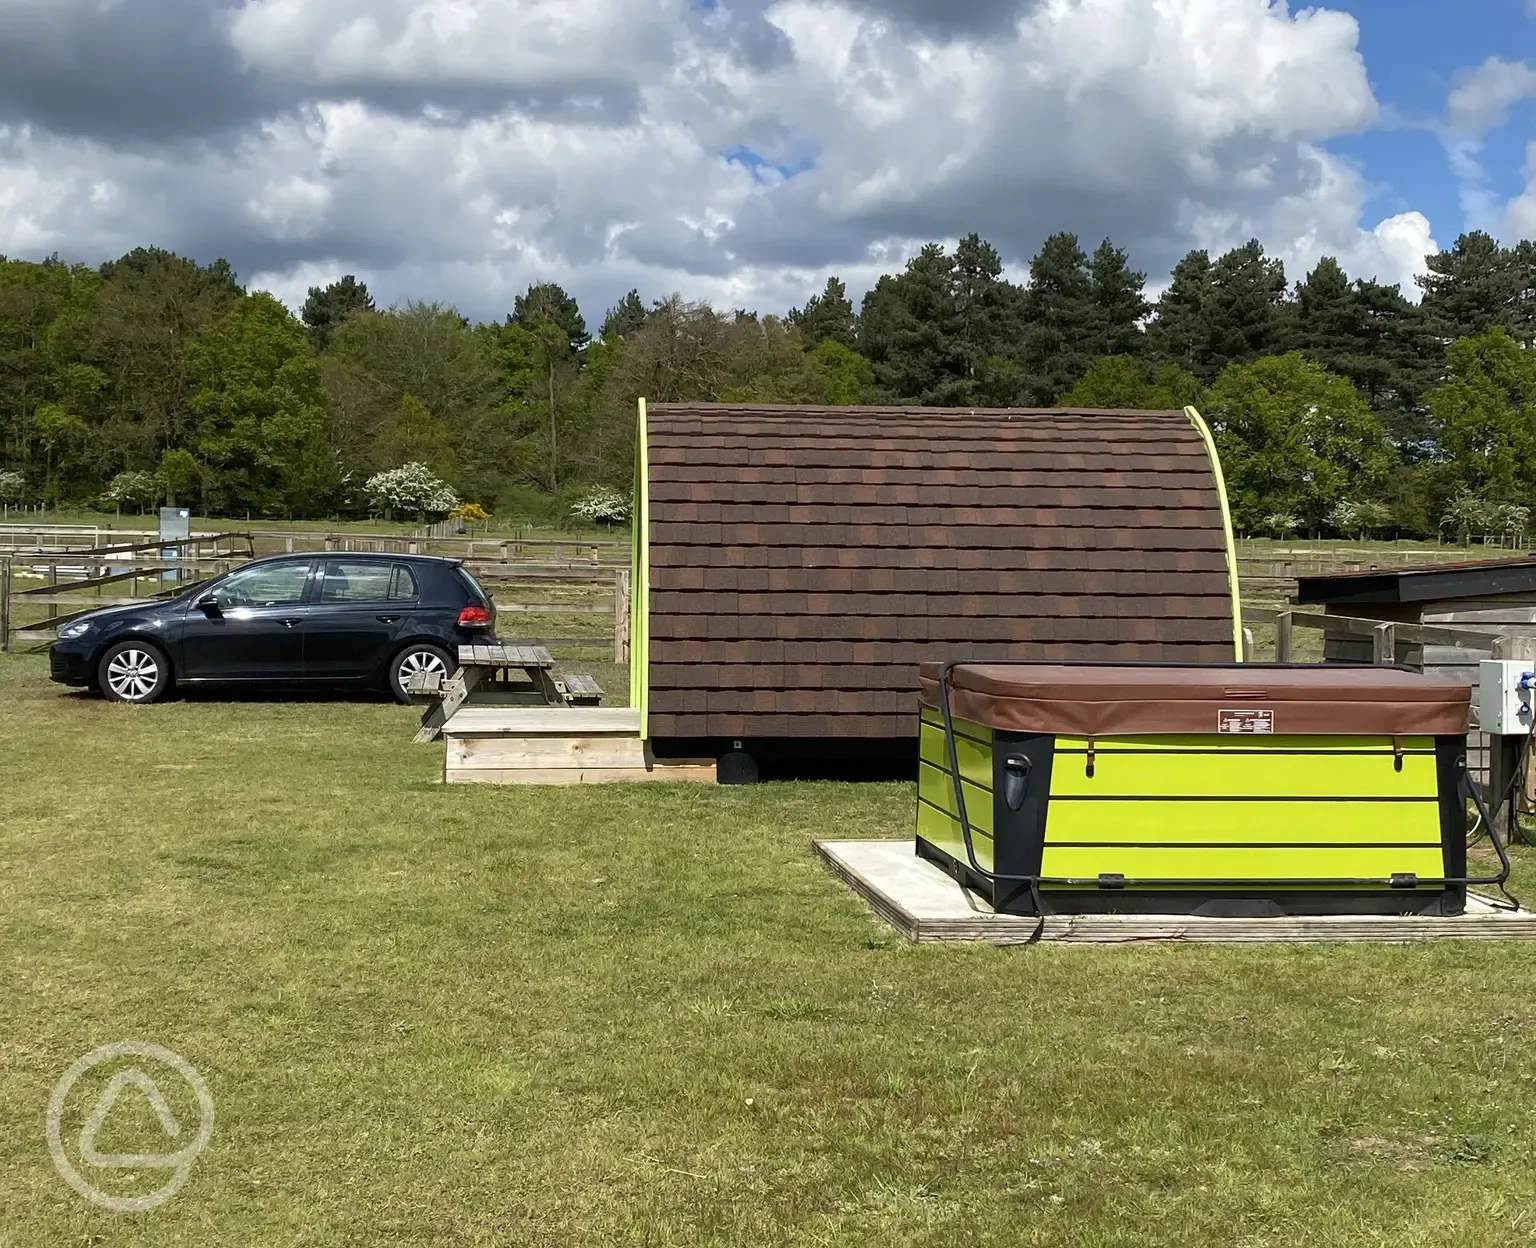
point(804, 561)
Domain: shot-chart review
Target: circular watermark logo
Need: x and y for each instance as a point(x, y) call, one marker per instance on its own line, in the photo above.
point(178, 1163)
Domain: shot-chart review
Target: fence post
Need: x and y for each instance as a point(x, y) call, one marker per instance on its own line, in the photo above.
point(621, 616)
point(1247, 645)
point(1283, 637)
point(5, 603)
point(1384, 645)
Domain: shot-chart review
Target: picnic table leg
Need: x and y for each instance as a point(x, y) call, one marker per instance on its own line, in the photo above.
point(456, 691)
point(544, 681)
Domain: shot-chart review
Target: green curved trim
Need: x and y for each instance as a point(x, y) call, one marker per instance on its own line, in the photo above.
point(640, 584)
point(1204, 430)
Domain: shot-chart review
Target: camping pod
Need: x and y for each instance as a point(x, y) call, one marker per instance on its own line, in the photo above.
point(795, 566)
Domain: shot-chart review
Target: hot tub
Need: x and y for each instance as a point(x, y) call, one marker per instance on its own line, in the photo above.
point(1242, 789)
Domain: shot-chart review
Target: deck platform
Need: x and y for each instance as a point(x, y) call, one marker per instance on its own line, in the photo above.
point(924, 904)
point(554, 745)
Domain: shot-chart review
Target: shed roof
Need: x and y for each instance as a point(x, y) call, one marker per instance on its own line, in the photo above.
point(1433, 583)
point(804, 561)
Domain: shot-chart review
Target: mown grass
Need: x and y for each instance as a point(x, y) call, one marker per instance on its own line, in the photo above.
point(647, 1016)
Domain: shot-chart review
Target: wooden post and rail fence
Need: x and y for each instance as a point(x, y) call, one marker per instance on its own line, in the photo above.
point(46, 582)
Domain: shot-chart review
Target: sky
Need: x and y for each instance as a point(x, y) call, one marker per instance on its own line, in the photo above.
point(742, 151)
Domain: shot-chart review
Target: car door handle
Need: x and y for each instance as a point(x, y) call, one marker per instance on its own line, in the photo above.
point(389, 619)
point(290, 622)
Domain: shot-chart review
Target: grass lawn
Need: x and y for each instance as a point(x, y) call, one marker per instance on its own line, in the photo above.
point(647, 1016)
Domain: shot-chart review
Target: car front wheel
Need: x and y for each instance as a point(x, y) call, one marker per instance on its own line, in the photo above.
point(134, 671)
point(417, 660)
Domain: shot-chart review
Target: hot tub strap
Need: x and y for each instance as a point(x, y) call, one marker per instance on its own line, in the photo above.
point(1090, 758)
point(1397, 753)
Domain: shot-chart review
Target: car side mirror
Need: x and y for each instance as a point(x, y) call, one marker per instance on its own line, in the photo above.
point(208, 604)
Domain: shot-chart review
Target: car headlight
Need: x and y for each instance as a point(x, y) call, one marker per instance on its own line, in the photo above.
point(78, 629)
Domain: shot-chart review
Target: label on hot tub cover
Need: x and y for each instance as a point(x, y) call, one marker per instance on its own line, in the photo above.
point(1246, 722)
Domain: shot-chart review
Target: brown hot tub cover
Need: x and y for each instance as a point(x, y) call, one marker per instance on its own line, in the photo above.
point(1134, 700)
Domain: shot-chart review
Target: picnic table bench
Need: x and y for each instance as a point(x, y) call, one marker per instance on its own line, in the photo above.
point(482, 680)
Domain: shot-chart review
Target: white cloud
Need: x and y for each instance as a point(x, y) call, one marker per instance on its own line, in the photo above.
point(1480, 101)
point(459, 149)
point(1520, 213)
point(1482, 97)
point(506, 43)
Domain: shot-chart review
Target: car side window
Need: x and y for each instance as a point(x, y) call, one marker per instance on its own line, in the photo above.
point(346, 581)
point(267, 585)
point(402, 586)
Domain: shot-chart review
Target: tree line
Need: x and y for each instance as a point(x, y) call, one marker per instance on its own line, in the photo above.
point(1339, 405)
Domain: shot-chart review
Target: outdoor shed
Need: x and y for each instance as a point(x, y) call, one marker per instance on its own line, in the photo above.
point(794, 566)
point(1491, 597)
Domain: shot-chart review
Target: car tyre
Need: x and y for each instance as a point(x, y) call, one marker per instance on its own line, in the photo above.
point(136, 672)
point(417, 657)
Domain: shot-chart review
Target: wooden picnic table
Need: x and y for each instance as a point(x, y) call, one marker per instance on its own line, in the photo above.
point(481, 680)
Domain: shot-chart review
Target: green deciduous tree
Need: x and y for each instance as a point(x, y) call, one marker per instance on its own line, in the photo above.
point(262, 430)
point(1128, 381)
point(1294, 439)
point(1485, 418)
point(425, 350)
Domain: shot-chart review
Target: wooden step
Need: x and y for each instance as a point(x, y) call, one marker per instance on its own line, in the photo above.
point(557, 759)
point(567, 721)
point(581, 690)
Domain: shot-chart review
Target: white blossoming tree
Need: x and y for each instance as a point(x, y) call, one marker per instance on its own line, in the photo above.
point(602, 505)
point(411, 489)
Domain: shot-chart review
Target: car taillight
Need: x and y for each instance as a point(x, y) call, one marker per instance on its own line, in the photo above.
point(474, 617)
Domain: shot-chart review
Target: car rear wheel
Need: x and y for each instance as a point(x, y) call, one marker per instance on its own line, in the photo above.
point(417, 660)
point(134, 671)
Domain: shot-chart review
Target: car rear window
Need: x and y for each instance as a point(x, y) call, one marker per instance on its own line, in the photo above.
point(354, 581)
point(474, 586)
point(403, 584)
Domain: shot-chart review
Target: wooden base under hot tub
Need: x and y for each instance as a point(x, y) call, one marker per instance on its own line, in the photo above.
point(924, 904)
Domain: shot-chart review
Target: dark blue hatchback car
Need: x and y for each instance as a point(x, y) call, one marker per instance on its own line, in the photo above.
point(370, 621)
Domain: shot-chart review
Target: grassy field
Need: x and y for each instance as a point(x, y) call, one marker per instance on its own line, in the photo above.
point(647, 1016)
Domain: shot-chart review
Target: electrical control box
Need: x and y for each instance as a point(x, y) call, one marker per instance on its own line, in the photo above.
point(1504, 696)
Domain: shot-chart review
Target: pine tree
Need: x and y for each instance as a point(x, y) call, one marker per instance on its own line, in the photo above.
point(548, 301)
point(1059, 313)
point(1119, 303)
point(909, 330)
point(624, 318)
point(1469, 289)
point(1245, 310)
point(827, 317)
point(328, 306)
point(1179, 332)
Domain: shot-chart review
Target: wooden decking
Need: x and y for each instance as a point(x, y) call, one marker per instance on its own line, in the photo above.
point(571, 745)
point(924, 904)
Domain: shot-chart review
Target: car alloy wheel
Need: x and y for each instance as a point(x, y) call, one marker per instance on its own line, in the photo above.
point(133, 674)
point(420, 663)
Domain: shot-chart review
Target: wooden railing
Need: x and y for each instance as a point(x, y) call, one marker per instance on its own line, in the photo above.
point(1383, 636)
